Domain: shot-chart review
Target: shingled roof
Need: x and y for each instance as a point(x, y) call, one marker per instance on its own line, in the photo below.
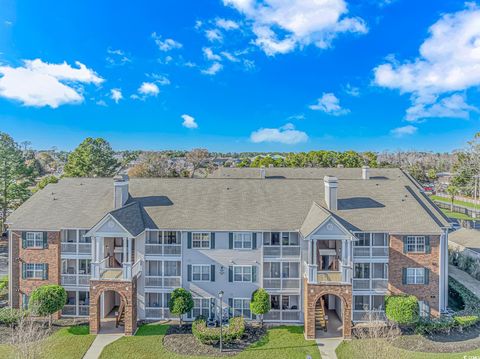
point(389, 201)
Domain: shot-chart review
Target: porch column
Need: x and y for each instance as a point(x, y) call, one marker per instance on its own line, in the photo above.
point(97, 252)
point(315, 255)
point(124, 244)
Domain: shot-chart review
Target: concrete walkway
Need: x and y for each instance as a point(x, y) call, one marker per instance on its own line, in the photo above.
point(327, 347)
point(466, 279)
point(328, 341)
point(108, 334)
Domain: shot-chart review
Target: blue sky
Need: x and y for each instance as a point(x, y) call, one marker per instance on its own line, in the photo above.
point(241, 75)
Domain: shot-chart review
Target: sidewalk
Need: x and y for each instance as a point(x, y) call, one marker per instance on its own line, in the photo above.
point(100, 342)
point(466, 279)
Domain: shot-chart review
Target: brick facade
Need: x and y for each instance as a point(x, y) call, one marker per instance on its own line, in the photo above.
point(49, 255)
point(128, 294)
point(313, 292)
point(398, 260)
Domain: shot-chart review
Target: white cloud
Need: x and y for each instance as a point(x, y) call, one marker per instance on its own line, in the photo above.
point(226, 24)
point(448, 63)
point(188, 121)
point(117, 57)
point(167, 44)
point(214, 35)
point(209, 55)
point(162, 80)
point(282, 26)
point(330, 104)
point(116, 95)
point(101, 103)
point(229, 56)
point(39, 84)
point(148, 89)
point(352, 90)
point(404, 131)
point(286, 134)
point(213, 69)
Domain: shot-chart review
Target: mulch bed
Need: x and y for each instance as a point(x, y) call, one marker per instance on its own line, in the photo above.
point(454, 342)
point(180, 340)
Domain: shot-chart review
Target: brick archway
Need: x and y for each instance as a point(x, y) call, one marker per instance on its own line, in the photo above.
point(313, 293)
point(127, 290)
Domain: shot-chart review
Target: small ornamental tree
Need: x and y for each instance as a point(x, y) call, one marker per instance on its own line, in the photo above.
point(181, 302)
point(402, 309)
point(260, 303)
point(46, 300)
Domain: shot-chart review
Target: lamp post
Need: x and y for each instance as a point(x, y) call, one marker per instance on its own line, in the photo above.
point(220, 295)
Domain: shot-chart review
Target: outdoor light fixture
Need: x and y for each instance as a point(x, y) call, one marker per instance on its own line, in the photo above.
point(220, 295)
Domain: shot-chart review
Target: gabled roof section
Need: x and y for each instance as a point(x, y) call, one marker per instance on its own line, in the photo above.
point(315, 217)
point(130, 217)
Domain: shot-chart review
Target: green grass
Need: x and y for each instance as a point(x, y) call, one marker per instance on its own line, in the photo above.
point(285, 342)
point(457, 202)
point(366, 348)
point(456, 215)
point(71, 343)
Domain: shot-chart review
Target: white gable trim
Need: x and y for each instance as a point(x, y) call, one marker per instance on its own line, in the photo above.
point(346, 234)
point(94, 231)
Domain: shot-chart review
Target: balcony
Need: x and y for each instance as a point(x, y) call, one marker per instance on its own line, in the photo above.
point(329, 276)
point(75, 280)
point(370, 252)
point(315, 276)
point(276, 315)
point(281, 283)
point(162, 282)
point(281, 251)
point(376, 284)
point(76, 248)
point(101, 271)
point(171, 250)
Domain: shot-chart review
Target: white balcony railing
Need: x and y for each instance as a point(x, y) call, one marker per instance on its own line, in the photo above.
point(76, 248)
point(173, 250)
point(162, 282)
point(281, 283)
point(281, 251)
point(75, 279)
point(370, 252)
point(370, 284)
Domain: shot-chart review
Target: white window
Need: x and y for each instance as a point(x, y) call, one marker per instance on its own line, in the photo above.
point(241, 307)
point(242, 240)
point(201, 240)
point(201, 273)
point(34, 239)
point(416, 244)
point(415, 275)
point(290, 270)
point(34, 270)
point(242, 273)
point(424, 309)
point(201, 306)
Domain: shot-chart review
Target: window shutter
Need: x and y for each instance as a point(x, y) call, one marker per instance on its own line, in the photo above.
point(427, 275)
point(24, 271)
point(230, 240)
point(189, 240)
point(404, 244)
point(404, 275)
point(24, 240)
point(212, 273)
point(230, 306)
point(254, 240)
point(189, 272)
point(45, 240)
point(254, 274)
point(230, 273)
point(45, 271)
point(212, 240)
point(427, 244)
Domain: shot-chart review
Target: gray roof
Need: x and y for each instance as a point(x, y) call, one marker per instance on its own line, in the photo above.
point(468, 238)
point(389, 202)
point(131, 217)
point(315, 217)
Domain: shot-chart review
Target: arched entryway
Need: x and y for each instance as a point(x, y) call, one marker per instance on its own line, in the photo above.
point(329, 313)
point(113, 307)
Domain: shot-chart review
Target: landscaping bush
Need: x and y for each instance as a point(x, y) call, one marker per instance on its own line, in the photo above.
point(211, 336)
point(11, 316)
point(260, 303)
point(402, 309)
point(3, 283)
point(181, 302)
point(464, 262)
point(465, 321)
point(47, 299)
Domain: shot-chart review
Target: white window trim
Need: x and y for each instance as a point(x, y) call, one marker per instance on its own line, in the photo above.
point(201, 308)
point(34, 271)
point(416, 244)
point(202, 240)
point(243, 267)
point(209, 272)
point(416, 276)
point(243, 240)
point(242, 309)
point(36, 238)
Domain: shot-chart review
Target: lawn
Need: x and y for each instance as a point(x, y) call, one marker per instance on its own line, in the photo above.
point(373, 349)
point(457, 202)
point(456, 215)
point(71, 343)
point(285, 342)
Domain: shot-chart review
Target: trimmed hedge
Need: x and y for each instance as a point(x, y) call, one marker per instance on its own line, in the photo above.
point(11, 316)
point(402, 309)
point(211, 336)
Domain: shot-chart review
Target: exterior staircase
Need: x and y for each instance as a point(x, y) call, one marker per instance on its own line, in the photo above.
point(120, 319)
point(320, 321)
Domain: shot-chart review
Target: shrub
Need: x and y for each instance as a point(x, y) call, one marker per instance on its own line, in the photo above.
point(465, 321)
point(211, 336)
point(11, 316)
point(3, 283)
point(181, 302)
point(260, 303)
point(402, 309)
point(47, 299)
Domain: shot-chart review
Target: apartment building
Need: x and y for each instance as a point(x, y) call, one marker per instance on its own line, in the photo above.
point(325, 243)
